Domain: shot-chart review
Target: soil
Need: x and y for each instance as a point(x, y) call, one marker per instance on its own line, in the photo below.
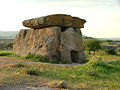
point(6, 61)
point(23, 87)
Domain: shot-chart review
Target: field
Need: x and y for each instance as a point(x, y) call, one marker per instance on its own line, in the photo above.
point(102, 55)
point(95, 74)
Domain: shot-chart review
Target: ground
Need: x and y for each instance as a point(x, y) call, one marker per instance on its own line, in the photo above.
point(7, 82)
point(19, 73)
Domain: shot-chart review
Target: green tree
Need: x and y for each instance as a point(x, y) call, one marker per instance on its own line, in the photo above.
point(111, 51)
point(118, 48)
point(92, 45)
point(9, 46)
point(6, 46)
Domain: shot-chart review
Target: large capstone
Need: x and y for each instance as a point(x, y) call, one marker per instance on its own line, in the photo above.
point(54, 20)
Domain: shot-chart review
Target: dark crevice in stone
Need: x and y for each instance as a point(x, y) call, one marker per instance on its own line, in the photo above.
point(25, 33)
point(74, 56)
point(63, 29)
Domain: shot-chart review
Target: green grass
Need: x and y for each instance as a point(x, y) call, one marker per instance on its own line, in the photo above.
point(88, 72)
point(38, 58)
point(7, 53)
point(94, 74)
point(32, 57)
point(103, 55)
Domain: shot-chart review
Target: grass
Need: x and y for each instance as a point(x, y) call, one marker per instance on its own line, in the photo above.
point(32, 57)
point(7, 53)
point(104, 56)
point(94, 74)
point(38, 58)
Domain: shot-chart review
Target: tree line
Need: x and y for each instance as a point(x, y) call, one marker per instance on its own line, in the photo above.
point(93, 45)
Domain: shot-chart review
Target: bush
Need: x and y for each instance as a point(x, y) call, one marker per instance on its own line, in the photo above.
point(6, 46)
point(7, 53)
point(33, 72)
point(19, 65)
point(33, 57)
point(111, 51)
point(92, 45)
point(36, 58)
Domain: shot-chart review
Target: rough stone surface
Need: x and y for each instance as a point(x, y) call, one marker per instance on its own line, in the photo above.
point(41, 41)
point(57, 84)
point(71, 40)
point(59, 41)
point(61, 20)
point(50, 42)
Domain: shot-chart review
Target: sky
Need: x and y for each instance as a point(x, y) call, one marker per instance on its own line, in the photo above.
point(102, 16)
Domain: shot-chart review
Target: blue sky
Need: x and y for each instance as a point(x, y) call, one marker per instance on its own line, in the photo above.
point(102, 16)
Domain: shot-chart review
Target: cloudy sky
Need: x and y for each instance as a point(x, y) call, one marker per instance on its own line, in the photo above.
point(102, 16)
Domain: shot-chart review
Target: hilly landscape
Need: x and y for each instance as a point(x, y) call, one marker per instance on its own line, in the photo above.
point(12, 34)
point(8, 34)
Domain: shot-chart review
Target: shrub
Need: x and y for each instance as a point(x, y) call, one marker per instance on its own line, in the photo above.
point(92, 45)
point(33, 57)
point(39, 58)
point(33, 72)
point(7, 53)
point(36, 58)
point(6, 46)
point(19, 65)
point(111, 51)
point(29, 71)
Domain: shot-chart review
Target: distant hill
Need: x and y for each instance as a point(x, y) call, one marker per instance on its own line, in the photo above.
point(12, 35)
point(8, 34)
point(88, 37)
point(109, 38)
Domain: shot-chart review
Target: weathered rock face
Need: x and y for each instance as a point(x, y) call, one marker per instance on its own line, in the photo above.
point(55, 20)
point(62, 40)
point(41, 41)
point(71, 40)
